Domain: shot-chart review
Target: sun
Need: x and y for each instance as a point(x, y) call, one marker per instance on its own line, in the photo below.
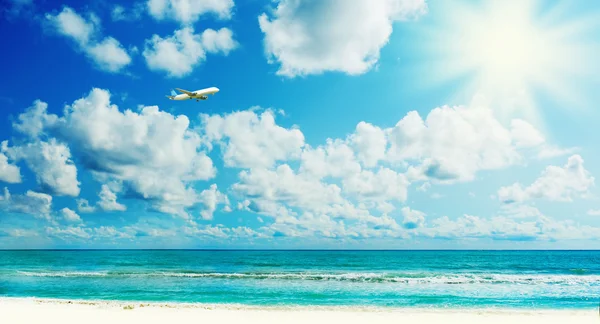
point(508, 51)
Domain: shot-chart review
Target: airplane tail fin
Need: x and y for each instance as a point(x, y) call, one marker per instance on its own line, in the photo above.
point(173, 93)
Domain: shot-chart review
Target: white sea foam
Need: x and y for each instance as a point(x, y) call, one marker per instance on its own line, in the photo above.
point(367, 277)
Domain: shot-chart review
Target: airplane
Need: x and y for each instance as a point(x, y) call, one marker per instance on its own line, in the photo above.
point(190, 95)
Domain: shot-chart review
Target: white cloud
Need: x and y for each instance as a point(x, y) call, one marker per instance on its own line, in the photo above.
point(33, 121)
point(51, 163)
point(383, 185)
point(218, 41)
point(250, 140)
point(83, 206)
point(153, 153)
point(452, 144)
point(32, 203)
point(334, 159)
point(210, 198)
point(87, 234)
point(18, 232)
point(108, 200)
point(345, 188)
point(312, 37)
point(424, 187)
point(520, 211)
point(179, 54)
point(370, 143)
point(412, 218)
point(107, 53)
point(71, 24)
point(70, 232)
point(283, 185)
point(364, 174)
point(8, 172)
point(555, 183)
point(320, 225)
point(594, 212)
point(120, 13)
point(537, 228)
point(525, 135)
point(189, 11)
point(550, 151)
point(218, 231)
point(70, 216)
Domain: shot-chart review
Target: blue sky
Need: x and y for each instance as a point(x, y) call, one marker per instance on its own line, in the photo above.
point(339, 124)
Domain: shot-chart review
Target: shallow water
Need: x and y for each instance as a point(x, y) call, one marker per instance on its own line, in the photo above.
point(456, 279)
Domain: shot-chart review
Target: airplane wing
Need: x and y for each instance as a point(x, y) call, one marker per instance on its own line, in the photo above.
point(189, 93)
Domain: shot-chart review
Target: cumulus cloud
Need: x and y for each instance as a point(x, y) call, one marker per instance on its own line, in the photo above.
point(110, 54)
point(526, 135)
point(285, 186)
point(211, 198)
point(218, 41)
point(188, 12)
point(51, 162)
point(320, 225)
point(350, 188)
point(555, 183)
point(177, 55)
point(34, 120)
point(8, 172)
point(412, 218)
point(83, 206)
point(70, 216)
point(383, 185)
point(502, 228)
point(250, 140)
point(108, 200)
point(312, 37)
point(370, 143)
point(361, 178)
point(107, 53)
point(334, 159)
point(452, 144)
point(153, 153)
point(32, 203)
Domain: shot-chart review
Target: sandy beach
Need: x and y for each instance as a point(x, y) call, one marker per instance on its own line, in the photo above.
point(18, 310)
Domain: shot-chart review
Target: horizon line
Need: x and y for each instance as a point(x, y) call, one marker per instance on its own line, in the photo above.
point(302, 250)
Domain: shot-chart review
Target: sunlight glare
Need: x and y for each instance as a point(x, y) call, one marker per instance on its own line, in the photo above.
point(508, 53)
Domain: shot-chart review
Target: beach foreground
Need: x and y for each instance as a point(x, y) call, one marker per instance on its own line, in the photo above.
point(20, 310)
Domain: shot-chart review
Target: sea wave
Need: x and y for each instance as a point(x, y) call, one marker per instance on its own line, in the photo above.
point(399, 278)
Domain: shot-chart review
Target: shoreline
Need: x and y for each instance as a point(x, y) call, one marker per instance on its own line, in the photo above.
point(132, 304)
point(41, 310)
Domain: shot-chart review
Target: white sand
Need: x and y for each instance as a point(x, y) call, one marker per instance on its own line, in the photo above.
point(29, 311)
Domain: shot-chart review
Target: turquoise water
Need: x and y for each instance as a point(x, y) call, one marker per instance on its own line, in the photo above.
point(469, 279)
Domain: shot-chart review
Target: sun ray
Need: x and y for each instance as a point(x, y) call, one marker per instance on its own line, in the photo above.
point(510, 52)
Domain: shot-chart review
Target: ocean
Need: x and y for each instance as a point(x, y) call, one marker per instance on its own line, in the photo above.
point(423, 279)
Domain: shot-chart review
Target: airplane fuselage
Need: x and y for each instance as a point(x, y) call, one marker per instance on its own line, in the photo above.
point(201, 94)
